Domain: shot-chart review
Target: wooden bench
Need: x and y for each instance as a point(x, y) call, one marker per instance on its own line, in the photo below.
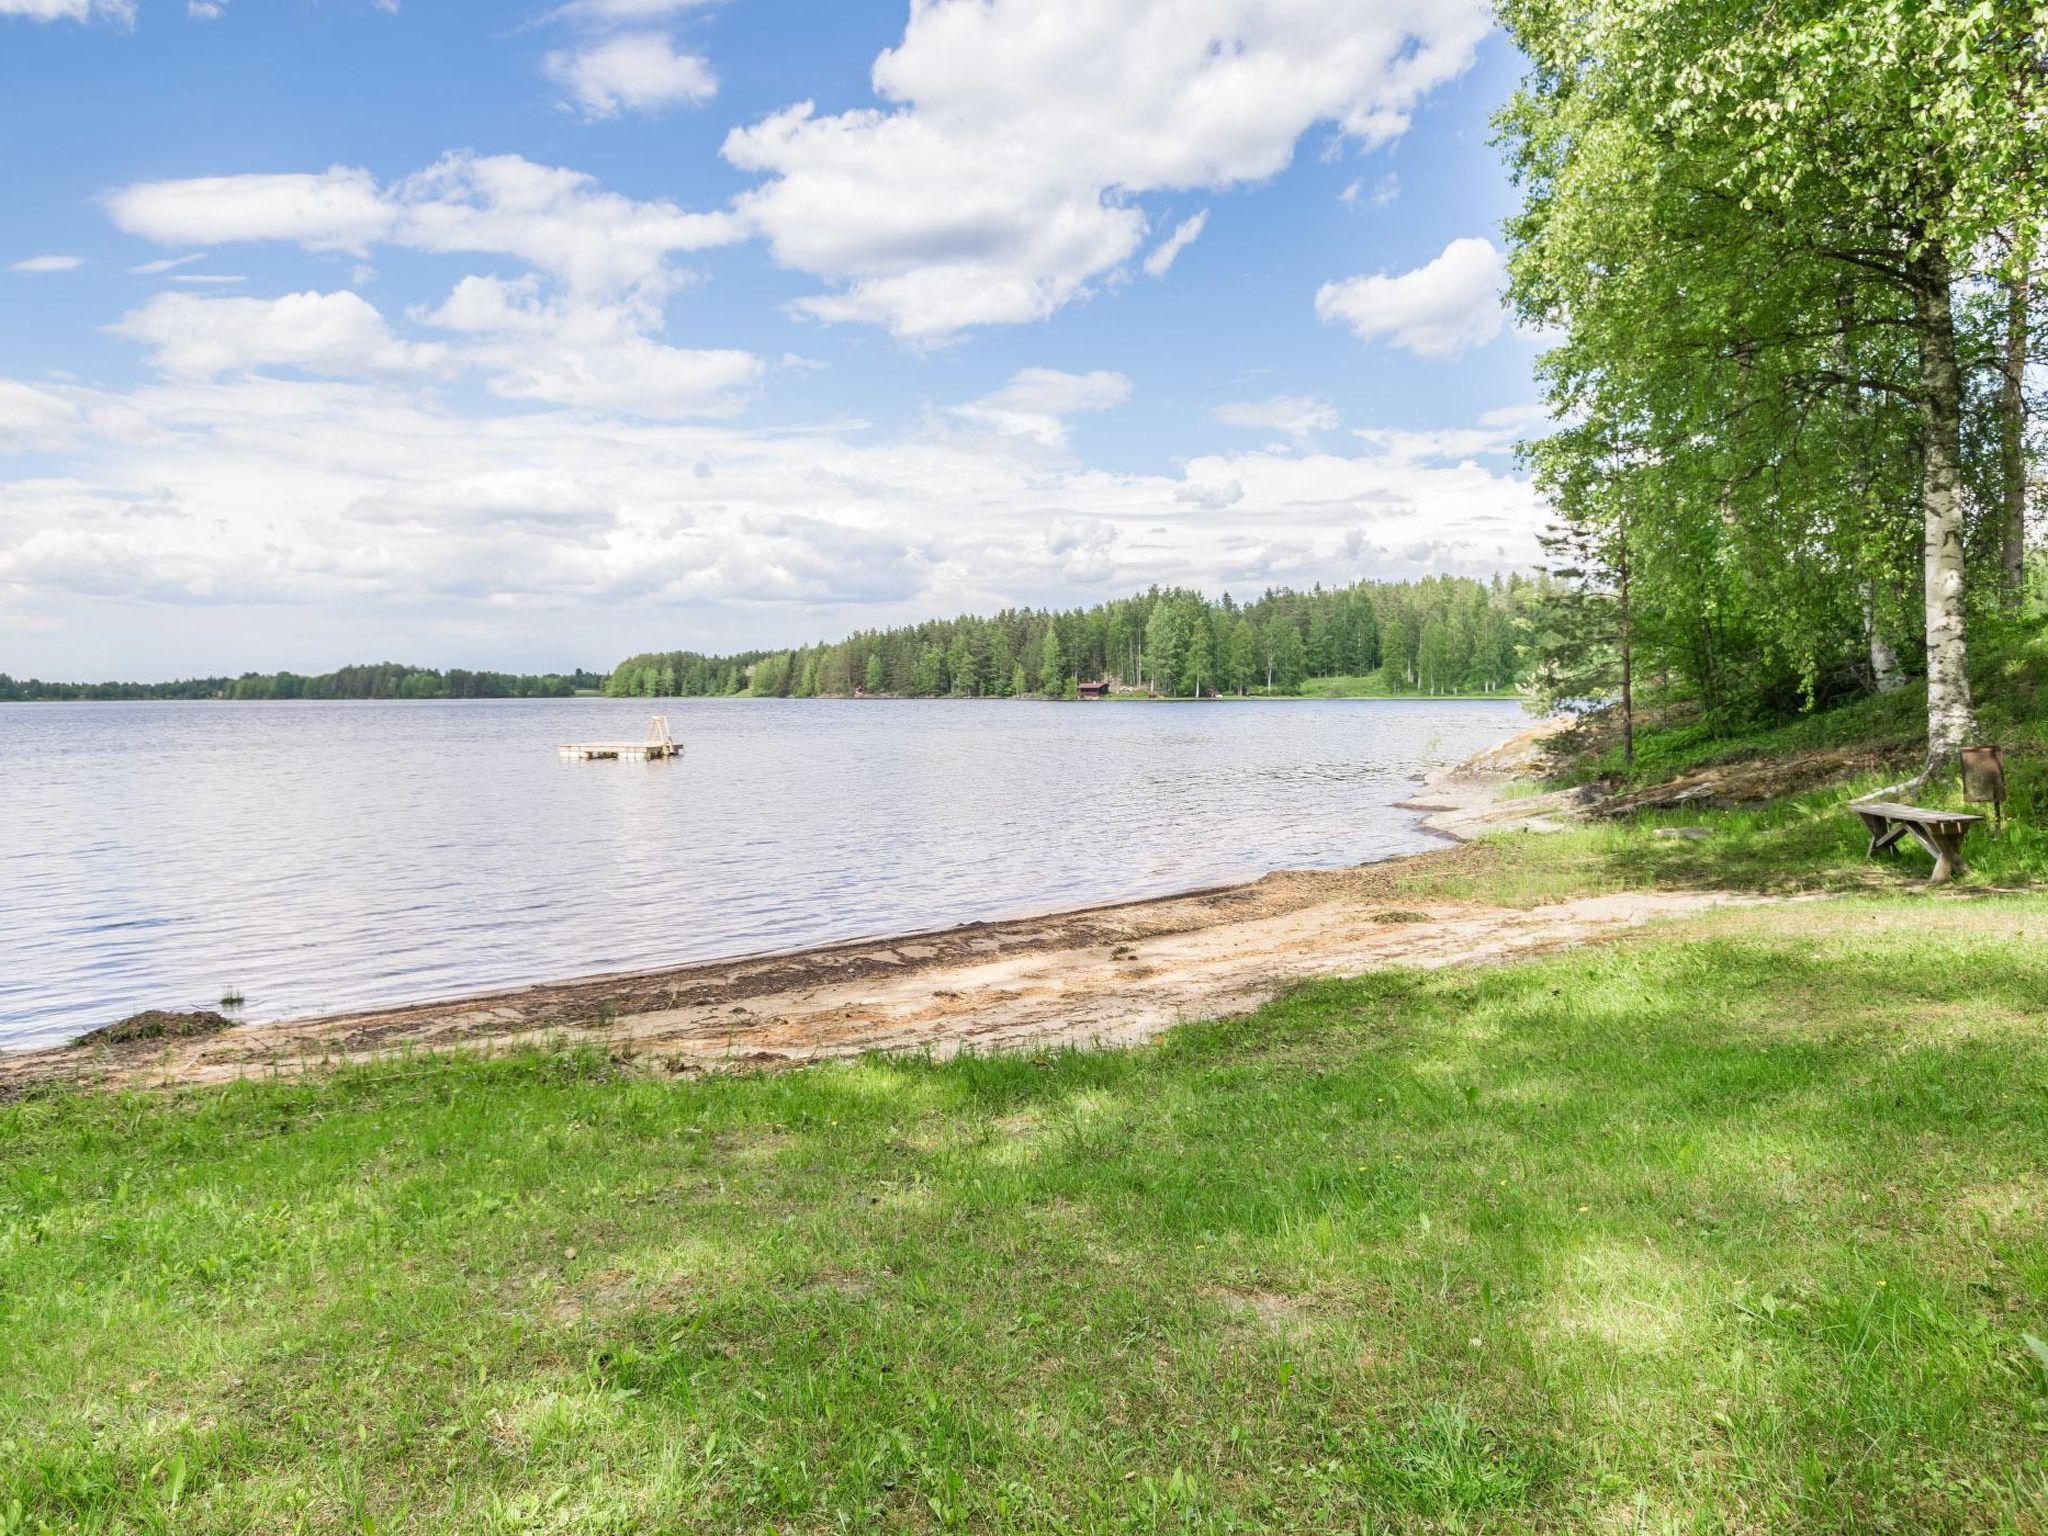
point(1939, 832)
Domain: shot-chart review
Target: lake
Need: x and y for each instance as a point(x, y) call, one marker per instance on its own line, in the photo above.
point(322, 856)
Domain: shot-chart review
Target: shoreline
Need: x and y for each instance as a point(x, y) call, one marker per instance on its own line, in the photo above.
point(811, 698)
point(1106, 974)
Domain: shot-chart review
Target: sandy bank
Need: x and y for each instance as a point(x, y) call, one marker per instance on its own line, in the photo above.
point(1104, 975)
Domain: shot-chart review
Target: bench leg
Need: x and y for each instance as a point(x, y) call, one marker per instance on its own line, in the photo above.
point(1948, 858)
point(1947, 851)
point(1882, 834)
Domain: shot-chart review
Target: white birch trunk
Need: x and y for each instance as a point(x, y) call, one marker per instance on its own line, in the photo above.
point(2012, 412)
point(1884, 661)
point(1950, 719)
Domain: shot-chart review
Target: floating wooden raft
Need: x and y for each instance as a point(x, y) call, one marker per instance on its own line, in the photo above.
point(659, 744)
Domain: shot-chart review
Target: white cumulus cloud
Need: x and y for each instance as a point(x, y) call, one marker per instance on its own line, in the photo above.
point(350, 507)
point(1167, 252)
point(597, 356)
point(1036, 402)
point(1297, 416)
point(582, 329)
point(559, 220)
point(622, 11)
point(340, 209)
point(1496, 432)
point(322, 333)
point(997, 185)
point(632, 72)
point(122, 11)
point(33, 417)
point(1440, 310)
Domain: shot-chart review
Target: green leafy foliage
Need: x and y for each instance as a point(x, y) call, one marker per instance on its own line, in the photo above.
point(1787, 253)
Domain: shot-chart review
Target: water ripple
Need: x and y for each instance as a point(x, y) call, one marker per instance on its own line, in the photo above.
point(324, 856)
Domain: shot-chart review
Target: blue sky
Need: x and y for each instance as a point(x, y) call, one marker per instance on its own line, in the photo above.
point(530, 336)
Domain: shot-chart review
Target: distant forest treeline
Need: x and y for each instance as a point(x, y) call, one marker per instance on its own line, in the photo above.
point(378, 680)
point(1438, 635)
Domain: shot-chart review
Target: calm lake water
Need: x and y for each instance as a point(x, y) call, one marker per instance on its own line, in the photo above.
point(325, 856)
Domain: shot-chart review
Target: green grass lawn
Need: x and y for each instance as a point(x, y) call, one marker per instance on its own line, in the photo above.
point(1805, 839)
point(1735, 1226)
point(1373, 685)
point(1803, 843)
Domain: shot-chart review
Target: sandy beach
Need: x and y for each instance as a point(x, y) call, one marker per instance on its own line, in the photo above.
point(1107, 975)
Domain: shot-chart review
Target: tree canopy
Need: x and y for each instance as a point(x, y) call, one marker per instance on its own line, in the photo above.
point(1434, 636)
point(376, 680)
point(1787, 250)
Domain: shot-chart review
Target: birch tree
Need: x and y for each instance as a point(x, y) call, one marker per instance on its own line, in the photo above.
point(1751, 221)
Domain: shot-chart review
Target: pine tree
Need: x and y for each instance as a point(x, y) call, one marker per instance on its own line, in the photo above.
point(1583, 631)
point(1197, 663)
point(1052, 662)
point(1321, 653)
point(1290, 657)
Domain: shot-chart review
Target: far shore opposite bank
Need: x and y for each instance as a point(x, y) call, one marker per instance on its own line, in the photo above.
point(1129, 696)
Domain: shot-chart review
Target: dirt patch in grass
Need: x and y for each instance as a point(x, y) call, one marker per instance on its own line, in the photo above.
point(1278, 1314)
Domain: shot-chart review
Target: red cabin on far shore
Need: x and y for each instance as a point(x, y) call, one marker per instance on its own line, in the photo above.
point(1092, 690)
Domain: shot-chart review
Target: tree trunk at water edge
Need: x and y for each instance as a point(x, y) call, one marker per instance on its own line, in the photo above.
point(1628, 661)
point(2012, 424)
point(1950, 718)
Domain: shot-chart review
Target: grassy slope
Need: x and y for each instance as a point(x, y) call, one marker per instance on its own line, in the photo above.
point(1806, 843)
point(1810, 839)
point(2009, 680)
point(1736, 1226)
point(1373, 685)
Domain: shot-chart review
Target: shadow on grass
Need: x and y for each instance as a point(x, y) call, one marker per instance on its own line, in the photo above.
point(1743, 1227)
